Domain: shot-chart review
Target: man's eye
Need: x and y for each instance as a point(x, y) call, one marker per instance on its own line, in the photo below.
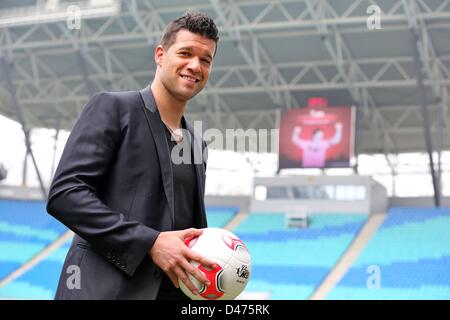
point(184, 53)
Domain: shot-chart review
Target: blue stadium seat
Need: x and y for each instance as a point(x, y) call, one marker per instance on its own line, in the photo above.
point(41, 281)
point(411, 250)
point(291, 263)
point(25, 230)
point(218, 217)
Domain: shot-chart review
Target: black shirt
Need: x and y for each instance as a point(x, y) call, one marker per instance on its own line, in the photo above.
point(184, 182)
point(185, 202)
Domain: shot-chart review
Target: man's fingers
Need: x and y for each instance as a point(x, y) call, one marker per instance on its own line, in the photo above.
point(190, 269)
point(183, 277)
point(192, 255)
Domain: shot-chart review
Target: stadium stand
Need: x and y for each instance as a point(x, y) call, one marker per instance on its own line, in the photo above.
point(25, 230)
point(40, 282)
point(410, 249)
point(220, 216)
point(291, 263)
point(388, 60)
point(412, 253)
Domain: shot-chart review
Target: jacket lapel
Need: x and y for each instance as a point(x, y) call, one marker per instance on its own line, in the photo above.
point(157, 129)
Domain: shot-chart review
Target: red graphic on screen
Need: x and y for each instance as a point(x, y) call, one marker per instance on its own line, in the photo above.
point(317, 136)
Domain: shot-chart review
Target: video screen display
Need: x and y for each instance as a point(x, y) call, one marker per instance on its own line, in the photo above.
point(317, 136)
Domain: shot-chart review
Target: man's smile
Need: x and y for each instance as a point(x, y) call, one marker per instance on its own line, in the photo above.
point(189, 78)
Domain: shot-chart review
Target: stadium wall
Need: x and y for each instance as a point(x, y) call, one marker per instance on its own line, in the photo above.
point(20, 193)
point(421, 202)
point(243, 202)
point(354, 194)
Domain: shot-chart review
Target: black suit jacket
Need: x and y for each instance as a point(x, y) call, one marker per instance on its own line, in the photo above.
point(114, 188)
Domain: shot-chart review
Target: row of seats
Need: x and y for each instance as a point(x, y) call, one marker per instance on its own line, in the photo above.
point(220, 216)
point(26, 229)
point(289, 263)
point(408, 258)
point(41, 281)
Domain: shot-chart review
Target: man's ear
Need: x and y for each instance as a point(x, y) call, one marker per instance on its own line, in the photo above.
point(159, 54)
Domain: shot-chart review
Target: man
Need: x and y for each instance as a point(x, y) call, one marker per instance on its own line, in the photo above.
point(116, 186)
point(315, 150)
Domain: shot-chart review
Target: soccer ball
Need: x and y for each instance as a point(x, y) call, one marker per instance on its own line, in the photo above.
point(233, 262)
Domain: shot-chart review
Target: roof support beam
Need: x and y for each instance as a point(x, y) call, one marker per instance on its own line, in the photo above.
point(4, 65)
point(231, 15)
point(423, 52)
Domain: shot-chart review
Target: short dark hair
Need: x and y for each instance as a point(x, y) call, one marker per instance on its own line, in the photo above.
point(195, 22)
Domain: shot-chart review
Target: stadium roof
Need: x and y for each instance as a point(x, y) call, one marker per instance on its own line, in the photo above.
point(273, 55)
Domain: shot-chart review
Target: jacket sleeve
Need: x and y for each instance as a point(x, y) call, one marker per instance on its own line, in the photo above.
point(73, 199)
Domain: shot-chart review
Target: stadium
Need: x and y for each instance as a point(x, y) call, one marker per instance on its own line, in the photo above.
point(327, 125)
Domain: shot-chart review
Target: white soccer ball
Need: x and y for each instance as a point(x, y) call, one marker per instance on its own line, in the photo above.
point(233, 262)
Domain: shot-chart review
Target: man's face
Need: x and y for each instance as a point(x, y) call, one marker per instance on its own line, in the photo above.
point(185, 66)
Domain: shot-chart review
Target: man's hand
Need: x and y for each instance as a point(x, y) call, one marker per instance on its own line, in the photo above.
point(171, 254)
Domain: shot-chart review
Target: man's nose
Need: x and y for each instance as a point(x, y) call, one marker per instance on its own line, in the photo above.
point(194, 65)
